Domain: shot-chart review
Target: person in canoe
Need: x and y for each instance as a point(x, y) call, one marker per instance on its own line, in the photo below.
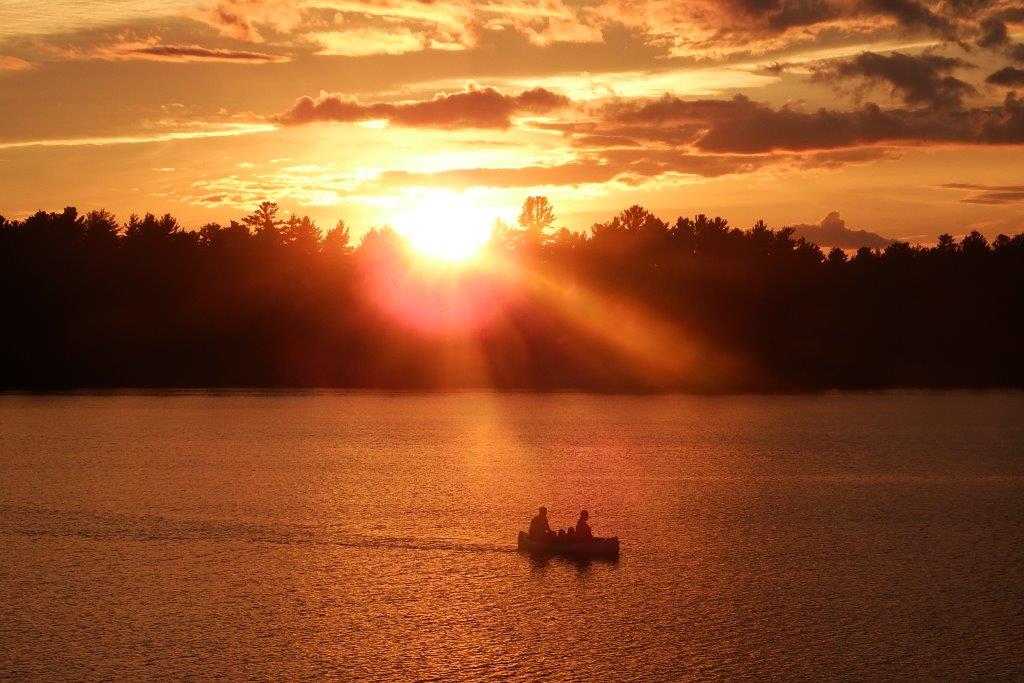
point(582, 528)
point(577, 541)
point(539, 528)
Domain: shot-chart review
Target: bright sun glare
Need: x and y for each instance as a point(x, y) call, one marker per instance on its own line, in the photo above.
point(446, 227)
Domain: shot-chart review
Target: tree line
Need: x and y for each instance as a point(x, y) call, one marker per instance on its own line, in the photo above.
point(635, 303)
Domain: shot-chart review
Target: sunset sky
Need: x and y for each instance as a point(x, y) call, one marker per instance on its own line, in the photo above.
point(900, 115)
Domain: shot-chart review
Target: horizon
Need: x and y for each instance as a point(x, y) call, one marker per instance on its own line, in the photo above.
point(471, 233)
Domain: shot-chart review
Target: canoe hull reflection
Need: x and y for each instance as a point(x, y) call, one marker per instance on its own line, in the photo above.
point(595, 547)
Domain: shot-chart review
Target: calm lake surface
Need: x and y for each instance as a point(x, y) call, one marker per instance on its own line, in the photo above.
point(372, 535)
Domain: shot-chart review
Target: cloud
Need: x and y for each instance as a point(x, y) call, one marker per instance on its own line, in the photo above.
point(471, 108)
point(705, 80)
point(722, 27)
point(923, 80)
point(394, 24)
point(1008, 76)
point(307, 184)
point(543, 29)
point(360, 42)
point(831, 231)
point(988, 194)
point(627, 166)
point(574, 173)
point(187, 53)
point(188, 133)
point(696, 27)
point(233, 24)
point(741, 125)
point(913, 14)
point(151, 49)
point(238, 19)
point(13, 64)
point(605, 141)
point(993, 33)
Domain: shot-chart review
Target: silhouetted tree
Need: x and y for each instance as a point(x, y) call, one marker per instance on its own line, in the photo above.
point(974, 245)
point(537, 215)
point(101, 226)
point(264, 223)
point(337, 241)
point(302, 234)
point(150, 229)
point(265, 302)
point(837, 257)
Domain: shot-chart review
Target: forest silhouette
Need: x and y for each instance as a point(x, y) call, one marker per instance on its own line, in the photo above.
point(633, 304)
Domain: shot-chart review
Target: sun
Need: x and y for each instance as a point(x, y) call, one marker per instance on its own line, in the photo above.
point(446, 226)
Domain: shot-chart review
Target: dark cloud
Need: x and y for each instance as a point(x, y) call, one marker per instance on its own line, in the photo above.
point(194, 53)
point(913, 14)
point(993, 33)
point(485, 108)
point(963, 7)
point(922, 80)
point(1016, 52)
point(831, 231)
point(844, 157)
point(673, 110)
point(776, 68)
point(797, 13)
point(711, 28)
point(678, 135)
point(473, 108)
point(605, 141)
point(988, 194)
point(742, 126)
point(967, 7)
point(1014, 14)
point(1008, 76)
point(765, 130)
point(780, 15)
point(1001, 197)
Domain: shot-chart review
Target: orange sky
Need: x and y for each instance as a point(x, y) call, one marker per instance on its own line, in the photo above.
point(899, 114)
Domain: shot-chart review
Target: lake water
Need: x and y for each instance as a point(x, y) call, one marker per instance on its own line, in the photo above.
point(372, 535)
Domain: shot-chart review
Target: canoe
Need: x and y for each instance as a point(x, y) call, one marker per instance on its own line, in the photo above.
point(593, 547)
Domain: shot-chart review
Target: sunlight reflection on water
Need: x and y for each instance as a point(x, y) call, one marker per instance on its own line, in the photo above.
point(369, 535)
